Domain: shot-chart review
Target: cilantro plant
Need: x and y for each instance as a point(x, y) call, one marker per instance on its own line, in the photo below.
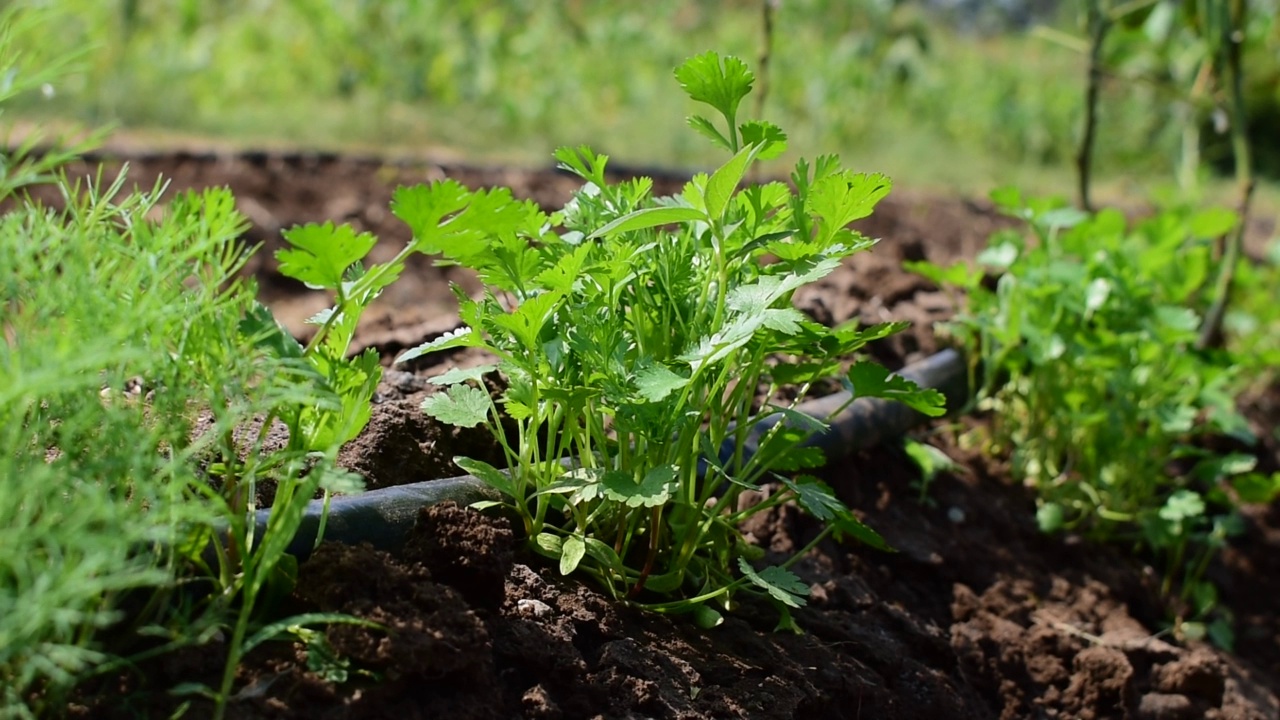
point(635, 334)
point(1086, 350)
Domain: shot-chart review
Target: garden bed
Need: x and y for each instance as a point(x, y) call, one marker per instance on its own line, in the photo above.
point(977, 615)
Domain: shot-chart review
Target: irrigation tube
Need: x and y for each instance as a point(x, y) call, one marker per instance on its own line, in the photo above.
point(385, 516)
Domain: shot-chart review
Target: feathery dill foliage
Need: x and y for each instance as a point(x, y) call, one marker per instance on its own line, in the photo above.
point(121, 325)
point(116, 330)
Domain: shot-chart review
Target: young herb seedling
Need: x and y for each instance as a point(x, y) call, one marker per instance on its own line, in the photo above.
point(1086, 349)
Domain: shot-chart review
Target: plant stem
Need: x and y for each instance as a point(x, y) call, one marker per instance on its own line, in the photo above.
point(767, 9)
point(1099, 26)
point(655, 542)
point(1211, 334)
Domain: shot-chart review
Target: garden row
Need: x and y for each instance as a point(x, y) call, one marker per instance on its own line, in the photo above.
point(634, 343)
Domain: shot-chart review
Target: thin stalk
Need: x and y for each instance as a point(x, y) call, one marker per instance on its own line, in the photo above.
point(1099, 25)
point(655, 543)
point(826, 530)
point(767, 9)
point(1211, 334)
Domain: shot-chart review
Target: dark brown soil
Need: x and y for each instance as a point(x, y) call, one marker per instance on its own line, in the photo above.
point(978, 615)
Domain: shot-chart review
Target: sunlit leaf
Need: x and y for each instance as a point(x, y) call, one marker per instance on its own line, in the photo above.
point(460, 405)
point(781, 584)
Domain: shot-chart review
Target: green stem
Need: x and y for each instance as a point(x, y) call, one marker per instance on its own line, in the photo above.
point(1099, 26)
point(1211, 332)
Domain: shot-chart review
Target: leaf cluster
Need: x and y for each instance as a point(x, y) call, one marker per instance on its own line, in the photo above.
point(635, 334)
point(1084, 347)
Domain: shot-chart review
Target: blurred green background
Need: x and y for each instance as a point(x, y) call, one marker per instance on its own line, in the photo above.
point(938, 94)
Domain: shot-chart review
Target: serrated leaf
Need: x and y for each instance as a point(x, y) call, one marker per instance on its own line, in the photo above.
point(771, 139)
point(526, 322)
point(583, 162)
point(654, 490)
point(708, 130)
point(847, 524)
point(562, 276)
point(353, 382)
point(461, 337)
point(321, 254)
point(655, 382)
point(841, 198)
point(716, 347)
point(321, 317)
point(262, 329)
point(869, 379)
point(783, 320)
point(457, 375)
point(647, 218)
point(1182, 505)
point(424, 207)
point(572, 550)
point(755, 297)
point(816, 497)
point(719, 82)
point(492, 476)
point(459, 405)
point(781, 584)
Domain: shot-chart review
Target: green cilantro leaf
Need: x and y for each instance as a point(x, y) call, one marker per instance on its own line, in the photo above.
point(1182, 505)
point(771, 139)
point(654, 490)
point(720, 82)
point(846, 523)
point(707, 129)
point(842, 197)
point(425, 207)
point(816, 497)
point(867, 379)
point(655, 382)
point(525, 323)
point(460, 405)
point(321, 254)
point(1257, 488)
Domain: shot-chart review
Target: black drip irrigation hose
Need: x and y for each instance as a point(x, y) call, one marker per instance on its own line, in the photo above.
point(384, 517)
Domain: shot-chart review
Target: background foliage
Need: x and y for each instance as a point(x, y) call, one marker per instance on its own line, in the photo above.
point(929, 92)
